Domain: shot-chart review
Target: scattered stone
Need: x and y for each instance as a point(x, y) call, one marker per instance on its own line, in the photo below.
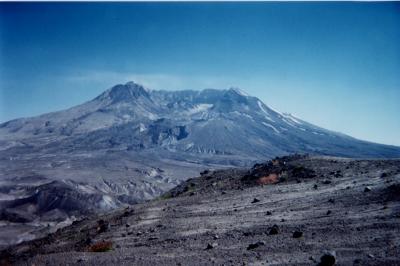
point(282, 179)
point(274, 230)
point(338, 174)
point(371, 256)
point(297, 234)
point(328, 259)
point(312, 259)
point(357, 261)
point(393, 192)
point(102, 226)
point(211, 245)
point(331, 201)
point(315, 186)
point(255, 200)
point(384, 175)
point(326, 182)
point(256, 245)
point(216, 237)
point(328, 212)
point(367, 189)
point(125, 214)
point(269, 213)
point(205, 172)
point(127, 225)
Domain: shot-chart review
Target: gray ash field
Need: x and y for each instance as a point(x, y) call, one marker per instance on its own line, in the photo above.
point(288, 211)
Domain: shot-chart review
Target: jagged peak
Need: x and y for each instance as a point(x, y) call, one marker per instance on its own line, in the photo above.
point(238, 91)
point(125, 92)
point(137, 86)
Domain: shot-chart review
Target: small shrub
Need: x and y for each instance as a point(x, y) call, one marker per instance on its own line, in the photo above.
point(269, 179)
point(165, 196)
point(102, 246)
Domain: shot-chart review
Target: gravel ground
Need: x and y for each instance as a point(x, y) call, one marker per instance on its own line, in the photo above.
point(347, 208)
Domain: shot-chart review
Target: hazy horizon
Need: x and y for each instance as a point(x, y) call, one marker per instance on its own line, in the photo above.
point(334, 65)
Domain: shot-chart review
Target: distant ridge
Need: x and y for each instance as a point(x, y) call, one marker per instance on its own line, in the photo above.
point(228, 122)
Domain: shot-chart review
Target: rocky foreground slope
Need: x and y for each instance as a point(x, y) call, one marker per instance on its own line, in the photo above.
point(289, 211)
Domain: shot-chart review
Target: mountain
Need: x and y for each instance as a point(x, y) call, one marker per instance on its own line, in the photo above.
point(210, 122)
point(131, 144)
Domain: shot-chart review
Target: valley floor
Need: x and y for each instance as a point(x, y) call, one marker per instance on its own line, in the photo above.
point(350, 208)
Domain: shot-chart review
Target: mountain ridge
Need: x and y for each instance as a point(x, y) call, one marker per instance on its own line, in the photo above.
point(124, 103)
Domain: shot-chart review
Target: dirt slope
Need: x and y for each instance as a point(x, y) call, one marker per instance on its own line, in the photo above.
point(348, 207)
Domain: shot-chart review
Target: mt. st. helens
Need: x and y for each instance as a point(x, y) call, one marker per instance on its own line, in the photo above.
point(131, 144)
point(221, 123)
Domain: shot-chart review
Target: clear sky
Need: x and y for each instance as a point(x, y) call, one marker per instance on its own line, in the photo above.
point(336, 65)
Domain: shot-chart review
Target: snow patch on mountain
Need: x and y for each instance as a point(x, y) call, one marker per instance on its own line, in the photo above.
point(142, 127)
point(267, 114)
point(271, 126)
point(292, 118)
point(276, 111)
point(243, 114)
point(199, 108)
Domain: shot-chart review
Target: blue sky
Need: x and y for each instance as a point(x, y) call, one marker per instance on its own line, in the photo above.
point(332, 64)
